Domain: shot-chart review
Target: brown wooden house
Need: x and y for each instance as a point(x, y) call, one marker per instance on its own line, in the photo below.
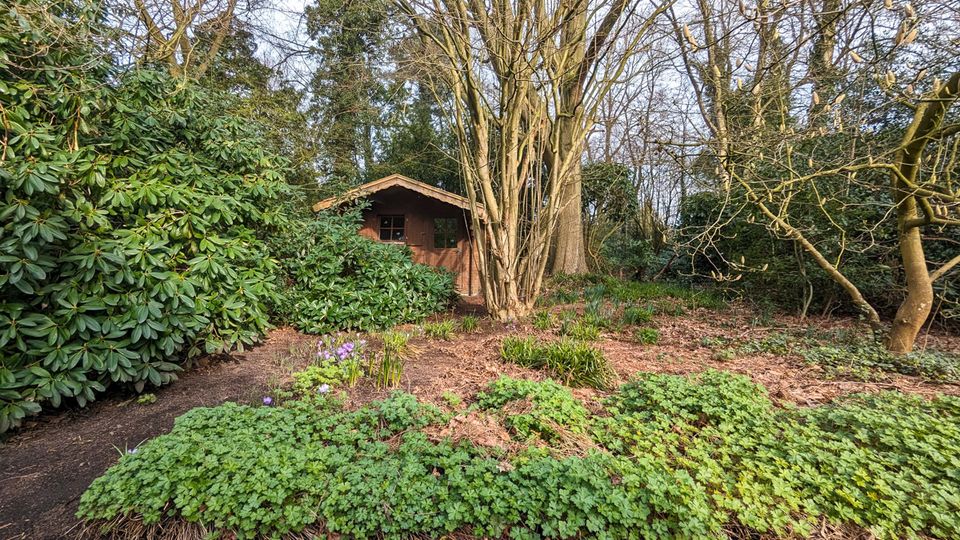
point(434, 223)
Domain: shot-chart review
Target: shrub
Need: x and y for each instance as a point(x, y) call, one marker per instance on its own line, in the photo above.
point(571, 362)
point(132, 212)
point(340, 280)
point(439, 329)
point(646, 336)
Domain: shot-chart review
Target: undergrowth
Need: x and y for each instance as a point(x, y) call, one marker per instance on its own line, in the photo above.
point(667, 457)
point(853, 357)
point(565, 289)
point(535, 409)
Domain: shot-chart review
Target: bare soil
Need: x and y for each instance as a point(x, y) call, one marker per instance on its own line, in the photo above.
point(46, 466)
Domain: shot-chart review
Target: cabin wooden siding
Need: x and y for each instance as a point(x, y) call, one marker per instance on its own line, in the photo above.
point(419, 213)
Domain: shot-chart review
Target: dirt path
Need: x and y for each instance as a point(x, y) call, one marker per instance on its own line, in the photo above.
point(45, 468)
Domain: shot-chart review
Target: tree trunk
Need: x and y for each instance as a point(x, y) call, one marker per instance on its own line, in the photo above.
point(915, 309)
point(570, 256)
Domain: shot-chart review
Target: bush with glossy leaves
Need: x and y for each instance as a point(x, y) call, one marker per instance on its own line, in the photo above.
point(132, 213)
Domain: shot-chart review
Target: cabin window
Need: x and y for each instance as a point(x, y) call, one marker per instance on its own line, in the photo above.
point(445, 232)
point(391, 228)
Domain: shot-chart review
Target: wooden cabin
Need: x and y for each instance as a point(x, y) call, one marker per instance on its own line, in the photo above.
point(434, 223)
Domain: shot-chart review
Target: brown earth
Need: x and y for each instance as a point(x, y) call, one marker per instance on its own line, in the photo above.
point(50, 462)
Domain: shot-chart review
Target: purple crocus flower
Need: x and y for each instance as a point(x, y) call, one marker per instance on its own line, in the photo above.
point(132, 450)
point(323, 389)
point(267, 400)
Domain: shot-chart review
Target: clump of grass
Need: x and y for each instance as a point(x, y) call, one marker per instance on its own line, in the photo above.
point(396, 350)
point(646, 336)
point(601, 318)
point(579, 330)
point(578, 364)
point(543, 320)
point(439, 329)
point(469, 323)
point(634, 315)
point(519, 350)
point(571, 362)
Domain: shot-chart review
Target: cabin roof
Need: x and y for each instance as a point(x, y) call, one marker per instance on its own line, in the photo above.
point(397, 180)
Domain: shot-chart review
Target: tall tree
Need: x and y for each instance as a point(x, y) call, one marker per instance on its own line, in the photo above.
point(415, 140)
point(526, 86)
point(585, 50)
point(184, 35)
point(351, 53)
point(264, 94)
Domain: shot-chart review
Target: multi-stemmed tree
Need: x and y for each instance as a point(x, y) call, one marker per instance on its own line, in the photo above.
point(526, 79)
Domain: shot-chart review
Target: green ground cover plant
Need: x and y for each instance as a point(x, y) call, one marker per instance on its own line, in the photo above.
point(573, 362)
point(851, 356)
point(670, 457)
point(546, 410)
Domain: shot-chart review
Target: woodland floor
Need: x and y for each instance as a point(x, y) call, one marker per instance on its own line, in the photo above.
point(47, 464)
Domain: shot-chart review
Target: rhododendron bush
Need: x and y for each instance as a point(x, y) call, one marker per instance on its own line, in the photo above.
point(132, 213)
